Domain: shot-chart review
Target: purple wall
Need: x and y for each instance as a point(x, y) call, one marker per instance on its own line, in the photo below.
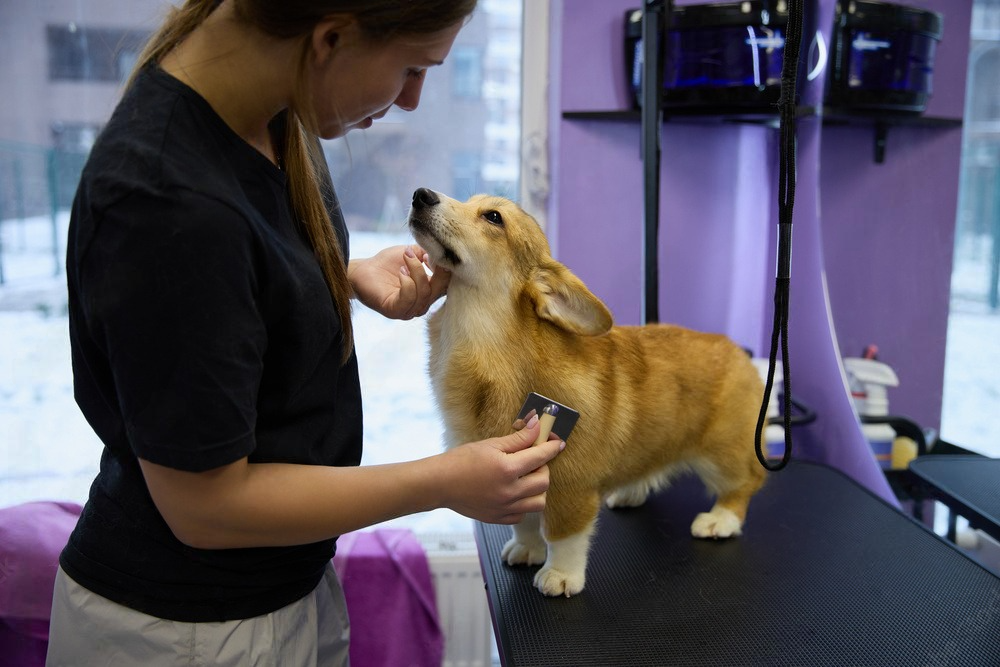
point(855, 221)
point(888, 230)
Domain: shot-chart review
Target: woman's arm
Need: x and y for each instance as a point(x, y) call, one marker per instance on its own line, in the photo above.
point(271, 504)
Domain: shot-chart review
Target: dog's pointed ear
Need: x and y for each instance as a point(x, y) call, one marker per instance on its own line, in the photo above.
point(562, 298)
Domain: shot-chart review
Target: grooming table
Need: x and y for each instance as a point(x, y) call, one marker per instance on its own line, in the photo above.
point(968, 485)
point(826, 573)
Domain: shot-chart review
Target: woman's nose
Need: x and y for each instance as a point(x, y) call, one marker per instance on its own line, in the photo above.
point(409, 97)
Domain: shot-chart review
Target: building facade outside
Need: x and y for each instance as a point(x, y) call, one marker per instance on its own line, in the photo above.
point(978, 226)
point(62, 64)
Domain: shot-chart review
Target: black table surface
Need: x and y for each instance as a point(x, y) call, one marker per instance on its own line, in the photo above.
point(825, 573)
point(970, 485)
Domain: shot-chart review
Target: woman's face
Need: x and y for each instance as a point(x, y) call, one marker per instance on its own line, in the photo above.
point(354, 82)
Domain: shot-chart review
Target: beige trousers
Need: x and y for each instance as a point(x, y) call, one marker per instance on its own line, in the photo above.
point(87, 629)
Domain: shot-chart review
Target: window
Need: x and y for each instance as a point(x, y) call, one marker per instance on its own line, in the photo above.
point(971, 393)
point(78, 137)
point(468, 75)
point(465, 170)
point(47, 450)
point(79, 53)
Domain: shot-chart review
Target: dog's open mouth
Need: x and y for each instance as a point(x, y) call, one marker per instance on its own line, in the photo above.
point(421, 229)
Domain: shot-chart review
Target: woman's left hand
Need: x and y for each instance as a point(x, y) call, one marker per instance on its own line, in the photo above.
point(395, 284)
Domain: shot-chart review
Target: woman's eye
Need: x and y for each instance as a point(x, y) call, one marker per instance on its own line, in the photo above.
point(493, 217)
point(415, 73)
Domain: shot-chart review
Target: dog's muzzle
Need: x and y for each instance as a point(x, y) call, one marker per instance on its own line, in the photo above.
point(420, 222)
point(424, 198)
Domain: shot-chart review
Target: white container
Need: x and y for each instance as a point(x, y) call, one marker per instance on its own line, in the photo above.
point(869, 381)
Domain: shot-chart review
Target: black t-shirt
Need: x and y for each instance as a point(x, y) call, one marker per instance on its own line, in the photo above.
point(202, 332)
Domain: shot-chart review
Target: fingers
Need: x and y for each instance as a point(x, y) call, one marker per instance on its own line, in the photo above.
point(412, 284)
point(531, 495)
point(523, 457)
point(520, 422)
point(515, 512)
point(414, 263)
point(532, 458)
point(533, 486)
point(521, 438)
point(439, 282)
point(418, 290)
point(438, 278)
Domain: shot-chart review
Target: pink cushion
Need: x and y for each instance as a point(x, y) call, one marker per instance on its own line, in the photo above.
point(390, 599)
point(31, 537)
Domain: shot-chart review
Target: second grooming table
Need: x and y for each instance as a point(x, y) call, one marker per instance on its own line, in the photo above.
point(968, 485)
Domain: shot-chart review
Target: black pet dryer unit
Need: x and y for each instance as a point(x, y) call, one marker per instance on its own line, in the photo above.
point(715, 56)
point(882, 57)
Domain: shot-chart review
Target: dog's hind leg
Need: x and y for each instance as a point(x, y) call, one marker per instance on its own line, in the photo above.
point(630, 495)
point(526, 547)
point(635, 494)
point(568, 531)
point(726, 517)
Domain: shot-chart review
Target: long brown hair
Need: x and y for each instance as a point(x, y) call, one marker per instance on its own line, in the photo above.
point(379, 21)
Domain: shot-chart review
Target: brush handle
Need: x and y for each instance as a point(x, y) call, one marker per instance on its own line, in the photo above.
point(545, 421)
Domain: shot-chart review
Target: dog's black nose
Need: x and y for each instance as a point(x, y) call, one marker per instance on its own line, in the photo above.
point(423, 198)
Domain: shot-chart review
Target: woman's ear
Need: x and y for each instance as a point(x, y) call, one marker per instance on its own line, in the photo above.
point(329, 33)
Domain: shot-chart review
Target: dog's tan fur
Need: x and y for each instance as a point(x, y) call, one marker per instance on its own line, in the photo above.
point(652, 399)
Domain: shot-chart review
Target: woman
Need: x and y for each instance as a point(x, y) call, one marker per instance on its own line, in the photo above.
point(212, 343)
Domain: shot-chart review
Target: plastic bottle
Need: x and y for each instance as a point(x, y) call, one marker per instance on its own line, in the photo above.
point(869, 382)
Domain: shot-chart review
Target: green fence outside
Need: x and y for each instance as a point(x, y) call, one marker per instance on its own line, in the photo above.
point(35, 182)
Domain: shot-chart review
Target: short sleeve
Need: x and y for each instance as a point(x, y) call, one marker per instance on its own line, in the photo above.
point(168, 289)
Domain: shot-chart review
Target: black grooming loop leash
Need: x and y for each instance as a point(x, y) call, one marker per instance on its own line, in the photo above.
point(787, 104)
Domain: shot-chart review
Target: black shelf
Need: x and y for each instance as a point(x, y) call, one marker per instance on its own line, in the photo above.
point(840, 116)
point(880, 121)
point(707, 114)
point(625, 114)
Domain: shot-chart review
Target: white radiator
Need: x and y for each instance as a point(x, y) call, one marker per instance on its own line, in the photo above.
point(461, 599)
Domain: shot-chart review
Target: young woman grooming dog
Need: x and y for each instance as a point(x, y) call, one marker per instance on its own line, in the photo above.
point(212, 344)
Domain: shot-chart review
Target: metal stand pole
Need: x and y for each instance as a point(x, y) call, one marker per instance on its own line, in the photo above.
point(652, 119)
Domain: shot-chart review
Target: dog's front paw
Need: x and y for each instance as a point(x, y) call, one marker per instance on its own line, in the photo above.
point(553, 582)
point(516, 552)
point(717, 524)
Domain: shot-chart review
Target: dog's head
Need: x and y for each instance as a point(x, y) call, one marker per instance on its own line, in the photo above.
point(493, 247)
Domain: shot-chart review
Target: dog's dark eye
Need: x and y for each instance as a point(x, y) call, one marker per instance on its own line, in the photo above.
point(493, 217)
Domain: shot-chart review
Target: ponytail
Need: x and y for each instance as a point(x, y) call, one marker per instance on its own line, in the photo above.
point(179, 23)
point(301, 159)
point(302, 156)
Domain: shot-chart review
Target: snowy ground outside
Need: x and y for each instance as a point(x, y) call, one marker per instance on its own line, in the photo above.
point(47, 450)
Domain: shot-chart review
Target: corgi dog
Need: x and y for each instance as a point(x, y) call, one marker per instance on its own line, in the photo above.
point(654, 400)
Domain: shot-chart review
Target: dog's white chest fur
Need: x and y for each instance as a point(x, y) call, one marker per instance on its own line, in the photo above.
point(463, 339)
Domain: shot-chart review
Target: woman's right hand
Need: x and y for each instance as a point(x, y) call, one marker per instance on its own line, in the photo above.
point(499, 480)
